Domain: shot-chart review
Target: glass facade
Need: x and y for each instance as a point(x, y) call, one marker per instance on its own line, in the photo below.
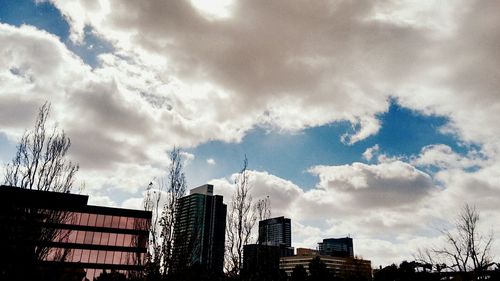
point(96, 242)
point(81, 237)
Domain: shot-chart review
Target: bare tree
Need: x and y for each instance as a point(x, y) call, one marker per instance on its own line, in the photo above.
point(40, 162)
point(240, 222)
point(262, 208)
point(467, 250)
point(168, 190)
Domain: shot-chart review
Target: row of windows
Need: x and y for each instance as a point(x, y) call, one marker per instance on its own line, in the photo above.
point(101, 238)
point(95, 256)
point(99, 220)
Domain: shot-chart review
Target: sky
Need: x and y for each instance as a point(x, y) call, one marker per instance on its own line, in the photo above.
point(374, 119)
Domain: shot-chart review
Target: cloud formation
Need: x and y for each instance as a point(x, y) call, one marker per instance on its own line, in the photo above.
point(182, 74)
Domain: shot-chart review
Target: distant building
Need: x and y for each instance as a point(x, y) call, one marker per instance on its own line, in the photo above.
point(275, 241)
point(44, 235)
point(337, 247)
point(341, 267)
point(277, 232)
point(199, 230)
point(307, 252)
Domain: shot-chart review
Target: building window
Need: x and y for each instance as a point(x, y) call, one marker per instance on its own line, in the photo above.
point(107, 221)
point(92, 219)
point(84, 219)
point(100, 221)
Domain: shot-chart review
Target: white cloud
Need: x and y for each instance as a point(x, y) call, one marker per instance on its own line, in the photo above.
point(180, 77)
point(370, 152)
point(442, 156)
point(211, 161)
point(372, 203)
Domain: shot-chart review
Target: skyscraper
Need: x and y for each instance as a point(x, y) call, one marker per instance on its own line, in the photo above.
point(277, 232)
point(199, 230)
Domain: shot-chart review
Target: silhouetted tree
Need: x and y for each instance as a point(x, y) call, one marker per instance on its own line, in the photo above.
point(168, 191)
point(262, 208)
point(240, 221)
point(111, 276)
point(299, 273)
point(467, 250)
point(407, 271)
point(318, 270)
point(40, 163)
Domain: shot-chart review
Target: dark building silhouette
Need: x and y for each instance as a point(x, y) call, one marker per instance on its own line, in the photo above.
point(337, 247)
point(45, 235)
point(261, 262)
point(199, 231)
point(277, 232)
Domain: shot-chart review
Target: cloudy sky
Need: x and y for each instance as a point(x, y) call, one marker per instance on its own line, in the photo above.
point(374, 119)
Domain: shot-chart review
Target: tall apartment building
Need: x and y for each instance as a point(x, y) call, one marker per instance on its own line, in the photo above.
point(337, 247)
point(45, 235)
point(199, 230)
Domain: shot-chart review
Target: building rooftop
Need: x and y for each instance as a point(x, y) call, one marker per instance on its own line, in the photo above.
point(206, 189)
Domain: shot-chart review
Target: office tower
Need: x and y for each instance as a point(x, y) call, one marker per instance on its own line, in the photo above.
point(275, 232)
point(337, 247)
point(45, 235)
point(199, 231)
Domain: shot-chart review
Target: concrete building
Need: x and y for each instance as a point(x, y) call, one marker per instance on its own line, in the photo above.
point(307, 252)
point(199, 230)
point(341, 267)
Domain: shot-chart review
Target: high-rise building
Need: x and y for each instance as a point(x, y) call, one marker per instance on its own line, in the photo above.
point(45, 235)
point(275, 232)
point(337, 247)
point(199, 230)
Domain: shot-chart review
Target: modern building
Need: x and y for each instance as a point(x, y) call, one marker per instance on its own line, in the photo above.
point(199, 230)
point(341, 267)
point(337, 247)
point(277, 232)
point(53, 233)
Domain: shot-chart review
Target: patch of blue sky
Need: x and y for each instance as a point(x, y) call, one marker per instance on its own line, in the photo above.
point(42, 15)
point(7, 148)
point(45, 16)
point(404, 132)
point(91, 47)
